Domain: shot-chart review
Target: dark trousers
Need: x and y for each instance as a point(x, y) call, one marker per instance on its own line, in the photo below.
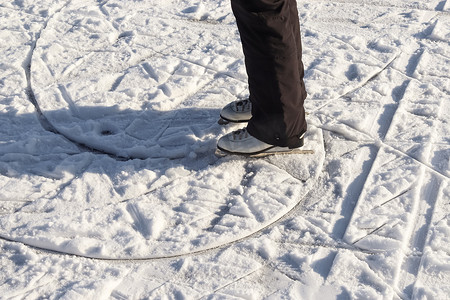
point(270, 35)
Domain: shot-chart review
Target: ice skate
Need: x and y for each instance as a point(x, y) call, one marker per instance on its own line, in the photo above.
point(238, 111)
point(240, 142)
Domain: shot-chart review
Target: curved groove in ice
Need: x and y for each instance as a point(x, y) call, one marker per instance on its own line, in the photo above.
point(183, 216)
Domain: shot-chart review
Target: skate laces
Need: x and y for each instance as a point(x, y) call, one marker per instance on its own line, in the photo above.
point(240, 134)
point(243, 105)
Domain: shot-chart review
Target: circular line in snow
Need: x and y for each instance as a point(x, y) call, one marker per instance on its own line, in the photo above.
point(190, 211)
point(148, 115)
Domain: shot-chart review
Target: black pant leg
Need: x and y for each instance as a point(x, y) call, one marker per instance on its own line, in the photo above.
point(270, 36)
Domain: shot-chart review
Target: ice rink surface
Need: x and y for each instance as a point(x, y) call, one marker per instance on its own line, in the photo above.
point(110, 189)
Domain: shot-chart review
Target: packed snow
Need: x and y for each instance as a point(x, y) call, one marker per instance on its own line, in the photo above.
point(110, 187)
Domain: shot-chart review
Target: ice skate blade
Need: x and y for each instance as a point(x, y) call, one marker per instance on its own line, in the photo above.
point(221, 153)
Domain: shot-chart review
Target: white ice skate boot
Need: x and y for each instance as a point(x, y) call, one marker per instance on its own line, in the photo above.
point(242, 143)
point(236, 112)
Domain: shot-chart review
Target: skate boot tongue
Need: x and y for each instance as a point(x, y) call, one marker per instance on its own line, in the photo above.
point(243, 105)
point(240, 134)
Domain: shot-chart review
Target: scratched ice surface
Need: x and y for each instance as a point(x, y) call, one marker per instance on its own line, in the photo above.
point(109, 186)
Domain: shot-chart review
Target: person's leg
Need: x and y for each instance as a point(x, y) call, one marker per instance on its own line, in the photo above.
point(270, 36)
point(295, 23)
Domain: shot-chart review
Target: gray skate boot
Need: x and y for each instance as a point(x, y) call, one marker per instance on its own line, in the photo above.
point(240, 142)
point(238, 111)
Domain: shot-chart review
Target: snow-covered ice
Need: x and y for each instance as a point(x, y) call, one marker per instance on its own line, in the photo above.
point(110, 189)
